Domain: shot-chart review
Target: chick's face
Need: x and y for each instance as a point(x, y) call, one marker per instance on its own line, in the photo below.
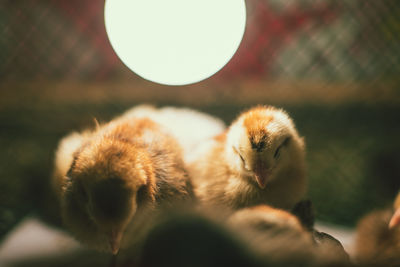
point(262, 159)
point(101, 196)
point(261, 148)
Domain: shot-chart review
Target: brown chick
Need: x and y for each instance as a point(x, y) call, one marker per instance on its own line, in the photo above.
point(259, 159)
point(378, 237)
point(329, 248)
point(275, 235)
point(115, 174)
point(265, 217)
point(283, 240)
point(192, 237)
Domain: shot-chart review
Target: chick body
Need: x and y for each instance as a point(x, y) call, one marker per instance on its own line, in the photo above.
point(283, 240)
point(189, 127)
point(275, 235)
point(116, 173)
point(259, 159)
point(378, 237)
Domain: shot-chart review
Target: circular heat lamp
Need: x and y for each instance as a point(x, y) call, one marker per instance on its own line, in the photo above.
point(175, 42)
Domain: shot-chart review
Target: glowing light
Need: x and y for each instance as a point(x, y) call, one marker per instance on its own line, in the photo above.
point(175, 42)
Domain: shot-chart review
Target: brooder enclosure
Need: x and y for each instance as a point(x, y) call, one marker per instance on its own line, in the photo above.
point(333, 66)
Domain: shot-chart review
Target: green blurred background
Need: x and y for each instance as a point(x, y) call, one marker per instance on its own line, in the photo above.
point(333, 65)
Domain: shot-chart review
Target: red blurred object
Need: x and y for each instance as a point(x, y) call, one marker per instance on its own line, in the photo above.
point(268, 31)
point(88, 19)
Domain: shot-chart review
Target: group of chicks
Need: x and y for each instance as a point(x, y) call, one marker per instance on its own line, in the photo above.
point(120, 182)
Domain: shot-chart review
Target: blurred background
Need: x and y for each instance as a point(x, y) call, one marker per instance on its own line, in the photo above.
point(333, 65)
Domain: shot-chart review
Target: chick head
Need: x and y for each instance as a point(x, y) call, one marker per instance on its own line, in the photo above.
point(262, 143)
point(107, 183)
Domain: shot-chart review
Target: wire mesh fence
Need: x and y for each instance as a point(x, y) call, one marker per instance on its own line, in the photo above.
point(302, 39)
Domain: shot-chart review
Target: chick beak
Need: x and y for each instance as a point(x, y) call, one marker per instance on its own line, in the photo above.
point(395, 220)
point(261, 176)
point(115, 241)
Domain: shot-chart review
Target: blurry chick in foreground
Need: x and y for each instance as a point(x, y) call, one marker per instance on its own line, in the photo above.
point(280, 238)
point(107, 178)
point(327, 245)
point(259, 159)
point(256, 236)
point(182, 238)
point(378, 237)
point(275, 235)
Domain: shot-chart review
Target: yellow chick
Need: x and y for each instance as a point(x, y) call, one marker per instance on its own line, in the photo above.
point(259, 159)
point(108, 178)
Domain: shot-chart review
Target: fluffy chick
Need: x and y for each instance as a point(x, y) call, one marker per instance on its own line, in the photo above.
point(275, 235)
point(107, 178)
point(189, 127)
point(330, 249)
point(258, 160)
point(283, 240)
point(265, 217)
point(378, 237)
point(193, 238)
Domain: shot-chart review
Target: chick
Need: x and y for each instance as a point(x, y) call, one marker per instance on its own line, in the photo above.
point(193, 238)
point(329, 247)
point(378, 237)
point(275, 235)
point(108, 178)
point(259, 159)
point(189, 127)
point(281, 239)
point(265, 217)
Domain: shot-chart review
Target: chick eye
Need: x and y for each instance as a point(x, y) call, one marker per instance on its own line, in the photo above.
point(278, 150)
point(241, 158)
point(237, 152)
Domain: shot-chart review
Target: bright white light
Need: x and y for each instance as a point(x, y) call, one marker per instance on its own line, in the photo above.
point(175, 42)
